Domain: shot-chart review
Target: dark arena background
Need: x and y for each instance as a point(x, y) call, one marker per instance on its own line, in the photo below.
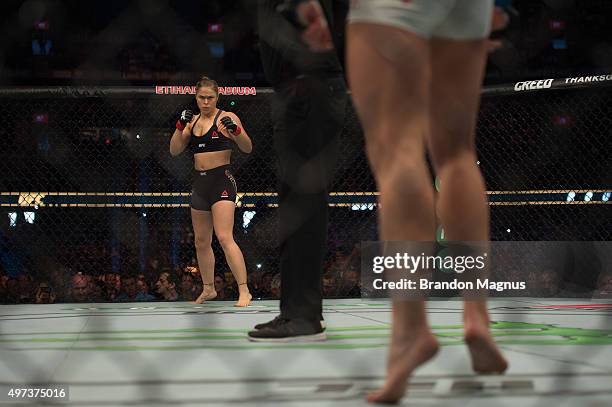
point(90, 196)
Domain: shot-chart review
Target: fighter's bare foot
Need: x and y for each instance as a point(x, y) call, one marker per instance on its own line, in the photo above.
point(208, 294)
point(405, 355)
point(243, 300)
point(244, 296)
point(486, 356)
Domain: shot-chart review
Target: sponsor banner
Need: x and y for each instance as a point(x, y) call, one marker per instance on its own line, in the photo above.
point(588, 79)
point(533, 85)
point(191, 90)
point(551, 83)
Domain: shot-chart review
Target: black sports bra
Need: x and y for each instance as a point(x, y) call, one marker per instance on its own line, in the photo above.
point(212, 140)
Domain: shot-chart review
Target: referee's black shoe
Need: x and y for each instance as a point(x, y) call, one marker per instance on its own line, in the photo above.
point(289, 330)
point(277, 319)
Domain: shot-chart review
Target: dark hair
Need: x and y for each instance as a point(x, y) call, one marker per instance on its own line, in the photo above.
point(129, 276)
point(171, 278)
point(206, 82)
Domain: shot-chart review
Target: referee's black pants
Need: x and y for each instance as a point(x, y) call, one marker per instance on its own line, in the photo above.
point(308, 115)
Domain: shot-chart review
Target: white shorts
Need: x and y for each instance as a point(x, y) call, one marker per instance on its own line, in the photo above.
point(453, 19)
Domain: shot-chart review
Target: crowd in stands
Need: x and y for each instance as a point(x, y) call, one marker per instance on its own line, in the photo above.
point(64, 285)
point(95, 271)
point(341, 280)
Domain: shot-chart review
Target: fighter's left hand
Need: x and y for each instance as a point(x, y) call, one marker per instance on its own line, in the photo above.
point(224, 126)
point(499, 21)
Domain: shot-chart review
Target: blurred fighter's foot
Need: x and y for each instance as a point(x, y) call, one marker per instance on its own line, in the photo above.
point(486, 356)
point(406, 353)
point(208, 294)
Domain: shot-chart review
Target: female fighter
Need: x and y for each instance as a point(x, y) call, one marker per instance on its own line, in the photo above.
point(209, 135)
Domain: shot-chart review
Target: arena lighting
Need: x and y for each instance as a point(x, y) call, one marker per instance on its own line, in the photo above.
point(258, 265)
point(40, 118)
point(556, 25)
point(562, 120)
point(217, 49)
point(247, 217)
point(41, 25)
point(12, 219)
point(144, 214)
point(508, 230)
point(605, 197)
point(29, 217)
point(571, 196)
point(215, 28)
point(588, 196)
point(362, 207)
point(559, 43)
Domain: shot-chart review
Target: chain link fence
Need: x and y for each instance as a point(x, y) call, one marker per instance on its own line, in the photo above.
point(88, 187)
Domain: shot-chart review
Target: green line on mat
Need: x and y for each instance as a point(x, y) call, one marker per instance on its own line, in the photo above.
point(510, 333)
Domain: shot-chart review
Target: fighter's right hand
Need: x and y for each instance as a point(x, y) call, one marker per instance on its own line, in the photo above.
point(316, 33)
point(186, 117)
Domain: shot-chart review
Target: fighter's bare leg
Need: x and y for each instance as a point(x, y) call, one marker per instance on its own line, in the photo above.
point(223, 220)
point(202, 229)
point(393, 107)
point(455, 95)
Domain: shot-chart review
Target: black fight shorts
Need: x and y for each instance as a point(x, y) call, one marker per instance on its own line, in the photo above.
point(212, 186)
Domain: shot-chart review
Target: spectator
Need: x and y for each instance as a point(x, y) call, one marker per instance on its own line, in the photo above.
point(532, 283)
point(549, 283)
point(58, 280)
point(329, 286)
point(220, 285)
point(275, 286)
point(604, 285)
point(266, 283)
point(97, 290)
point(112, 286)
point(256, 283)
point(12, 291)
point(166, 286)
point(142, 286)
point(130, 293)
point(26, 295)
point(350, 284)
point(80, 288)
point(198, 285)
point(3, 290)
point(354, 260)
point(188, 286)
point(338, 264)
point(153, 267)
point(44, 294)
